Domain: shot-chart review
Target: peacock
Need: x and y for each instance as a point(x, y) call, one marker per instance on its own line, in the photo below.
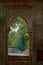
point(20, 43)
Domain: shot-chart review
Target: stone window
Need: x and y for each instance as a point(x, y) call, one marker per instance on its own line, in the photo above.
point(18, 37)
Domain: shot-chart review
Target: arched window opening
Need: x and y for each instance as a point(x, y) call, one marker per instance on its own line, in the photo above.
point(18, 38)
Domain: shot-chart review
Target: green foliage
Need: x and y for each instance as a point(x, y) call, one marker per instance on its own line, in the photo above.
point(2, 19)
point(27, 41)
point(15, 36)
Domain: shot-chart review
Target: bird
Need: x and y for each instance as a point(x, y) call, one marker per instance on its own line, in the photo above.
point(20, 43)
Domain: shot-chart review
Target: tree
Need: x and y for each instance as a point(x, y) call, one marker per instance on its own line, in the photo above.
point(19, 38)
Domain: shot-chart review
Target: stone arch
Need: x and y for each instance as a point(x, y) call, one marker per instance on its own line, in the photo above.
point(27, 20)
point(22, 18)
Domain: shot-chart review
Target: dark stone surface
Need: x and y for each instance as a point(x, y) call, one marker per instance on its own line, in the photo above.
point(34, 17)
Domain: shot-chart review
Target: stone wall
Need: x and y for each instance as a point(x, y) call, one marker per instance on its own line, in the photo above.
point(3, 39)
point(33, 13)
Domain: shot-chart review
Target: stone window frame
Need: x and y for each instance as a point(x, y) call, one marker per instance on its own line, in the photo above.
point(21, 58)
